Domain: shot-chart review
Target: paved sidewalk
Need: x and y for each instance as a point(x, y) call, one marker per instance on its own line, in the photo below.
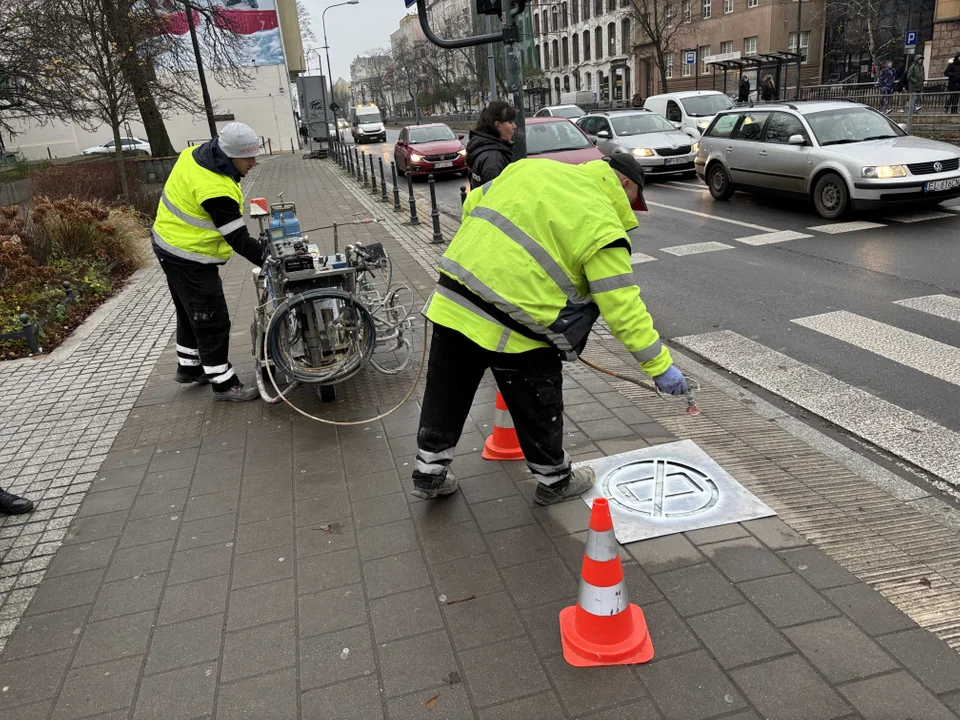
point(245, 562)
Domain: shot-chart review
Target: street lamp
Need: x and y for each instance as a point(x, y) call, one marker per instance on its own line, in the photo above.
point(326, 46)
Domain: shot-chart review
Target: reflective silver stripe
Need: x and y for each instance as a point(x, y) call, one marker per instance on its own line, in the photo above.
point(612, 283)
point(533, 248)
point(648, 353)
point(231, 226)
point(470, 280)
point(223, 378)
point(185, 254)
point(188, 219)
point(186, 362)
point(502, 419)
point(603, 601)
point(430, 468)
point(187, 351)
point(434, 457)
point(601, 546)
point(465, 303)
point(485, 187)
point(504, 336)
point(551, 469)
point(215, 369)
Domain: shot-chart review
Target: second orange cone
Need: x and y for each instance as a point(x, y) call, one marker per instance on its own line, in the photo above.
point(502, 443)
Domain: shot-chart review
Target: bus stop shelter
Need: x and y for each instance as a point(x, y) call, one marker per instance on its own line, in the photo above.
point(761, 61)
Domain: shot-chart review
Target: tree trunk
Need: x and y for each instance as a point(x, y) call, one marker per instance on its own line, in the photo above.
point(121, 161)
point(140, 79)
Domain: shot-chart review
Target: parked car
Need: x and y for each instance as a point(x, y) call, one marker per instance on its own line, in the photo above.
point(690, 112)
point(571, 112)
point(431, 149)
point(129, 144)
point(659, 147)
point(838, 154)
point(556, 138)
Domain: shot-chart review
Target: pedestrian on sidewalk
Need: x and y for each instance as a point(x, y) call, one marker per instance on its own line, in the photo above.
point(490, 146)
point(11, 504)
point(743, 89)
point(768, 89)
point(915, 80)
point(952, 73)
point(542, 252)
point(199, 226)
point(885, 81)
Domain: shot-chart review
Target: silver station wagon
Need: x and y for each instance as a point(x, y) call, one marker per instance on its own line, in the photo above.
point(838, 154)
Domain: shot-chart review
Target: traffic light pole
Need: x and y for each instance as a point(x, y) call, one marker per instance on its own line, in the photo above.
point(510, 37)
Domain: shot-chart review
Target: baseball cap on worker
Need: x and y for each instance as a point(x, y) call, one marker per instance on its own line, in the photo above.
point(239, 141)
point(626, 165)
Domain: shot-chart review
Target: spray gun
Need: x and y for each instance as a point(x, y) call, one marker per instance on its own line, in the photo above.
point(692, 386)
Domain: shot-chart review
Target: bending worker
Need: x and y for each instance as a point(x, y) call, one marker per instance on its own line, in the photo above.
point(541, 253)
point(199, 226)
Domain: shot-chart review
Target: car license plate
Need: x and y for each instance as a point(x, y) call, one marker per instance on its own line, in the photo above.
point(941, 185)
point(445, 164)
point(677, 160)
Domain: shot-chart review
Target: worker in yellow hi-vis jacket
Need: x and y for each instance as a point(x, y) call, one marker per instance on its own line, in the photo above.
point(541, 253)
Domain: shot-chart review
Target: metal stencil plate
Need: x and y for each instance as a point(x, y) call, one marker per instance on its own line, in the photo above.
point(670, 488)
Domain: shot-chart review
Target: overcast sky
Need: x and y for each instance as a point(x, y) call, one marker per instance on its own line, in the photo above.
point(353, 30)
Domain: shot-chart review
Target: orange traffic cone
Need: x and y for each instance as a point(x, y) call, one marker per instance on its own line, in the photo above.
point(502, 443)
point(603, 628)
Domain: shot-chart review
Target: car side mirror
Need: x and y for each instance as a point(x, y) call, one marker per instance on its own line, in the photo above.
point(460, 136)
point(796, 140)
point(603, 134)
point(676, 124)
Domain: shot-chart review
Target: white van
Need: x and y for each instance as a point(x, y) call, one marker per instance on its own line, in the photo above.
point(580, 97)
point(366, 124)
point(690, 112)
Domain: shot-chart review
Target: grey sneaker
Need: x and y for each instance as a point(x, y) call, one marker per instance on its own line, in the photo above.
point(581, 480)
point(237, 393)
point(447, 487)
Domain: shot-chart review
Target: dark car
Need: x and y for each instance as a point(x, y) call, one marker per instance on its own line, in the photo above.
point(431, 149)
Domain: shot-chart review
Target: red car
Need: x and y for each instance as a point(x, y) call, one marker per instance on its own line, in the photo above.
point(556, 138)
point(431, 149)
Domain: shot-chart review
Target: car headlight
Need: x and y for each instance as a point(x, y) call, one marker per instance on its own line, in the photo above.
point(884, 171)
point(415, 158)
point(642, 152)
point(462, 153)
point(702, 124)
point(695, 148)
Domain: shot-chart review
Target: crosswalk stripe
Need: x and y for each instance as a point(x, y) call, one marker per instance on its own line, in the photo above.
point(639, 257)
point(679, 186)
point(774, 237)
point(837, 228)
point(902, 346)
point(695, 248)
point(906, 434)
point(708, 216)
point(920, 217)
point(945, 306)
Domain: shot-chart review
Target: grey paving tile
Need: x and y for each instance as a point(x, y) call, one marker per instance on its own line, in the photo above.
point(606, 429)
point(35, 711)
point(665, 553)
point(40, 634)
point(268, 483)
point(587, 411)
point(85, 529)
point(503, 671)
point(65, 592)
point(869, 609)
point(271, 697)
point(775, 533)
point(502, 514)
point(264, 534)
point(448, 701)
point(211, 531)
point(178, 695)
point(140, 560)
point(213, 482)
point(719, 533)
point(894, 696)
point(109, 501)
point(386, 482)
point(840, 650)
point(199, 563)
point(787, 600)
point(113, 639)
point(739, 635)
point(340, 655)
point(222, 460)
point(380, 510)
point(127, 458)
point(444, 511)
point(173, 459)
point(697, 589)
point(98, 688)
point(166, 480)
point(690, 686)
point(404, 614)
point(392, 538)
point(166, 502)
point(325, 537)
point(351, 700)
point(952, 701)
point(261, 604)
point(328, 481)
point(539, 582)
point(119, 478)
point(491, 486)
point(200, 507)
point(262, 566)
point(265, 507)
point(184, 644)
point(583, 690)
point(563, 518)
point(416, 663)
point(930, 659)
point(482, 620)
point(321, 572)
point(744, 559)
point(194, 599)
point(543, 706)
point(32, 678)
point(465, 577)
point(331, 610)
point(258, 650)
point(129, 596)
point(520, 545)
point(150, 530)
point(321, 510)
point(395, 573)
point(788, 688)
point(668, 632)
point(817, 568)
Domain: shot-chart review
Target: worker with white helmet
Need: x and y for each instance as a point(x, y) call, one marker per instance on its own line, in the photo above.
point(199, 226)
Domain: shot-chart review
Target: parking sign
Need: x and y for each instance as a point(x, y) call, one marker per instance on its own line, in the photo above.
point(910, 39)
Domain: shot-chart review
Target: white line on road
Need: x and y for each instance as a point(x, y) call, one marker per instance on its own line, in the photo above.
point(708, 216)
point(837, 228)
point(920, 217)
point(639, 257)
point(678, 186)
point(932, 357)
point(906, 434)
point(945, 306)
point(695, 248)
point(774, 237)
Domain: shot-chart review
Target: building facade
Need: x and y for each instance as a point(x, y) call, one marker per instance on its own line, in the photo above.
point(946, 34)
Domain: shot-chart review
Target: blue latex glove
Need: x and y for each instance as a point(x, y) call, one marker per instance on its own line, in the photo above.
point(671, 382)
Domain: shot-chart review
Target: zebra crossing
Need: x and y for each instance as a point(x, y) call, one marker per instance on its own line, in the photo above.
point(904, 433)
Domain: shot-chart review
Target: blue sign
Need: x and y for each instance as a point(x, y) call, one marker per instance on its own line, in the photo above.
point(409, 3)
point(690, 57)
point(910, 40)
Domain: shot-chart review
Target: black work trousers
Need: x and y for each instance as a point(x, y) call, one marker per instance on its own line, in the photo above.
point(203, 323)
point(531, 384)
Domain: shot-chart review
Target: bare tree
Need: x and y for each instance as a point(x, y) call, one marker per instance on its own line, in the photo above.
point(307, 36)
point(408, 69)
point(875, 27)
point(378, 65)
point(663, 26)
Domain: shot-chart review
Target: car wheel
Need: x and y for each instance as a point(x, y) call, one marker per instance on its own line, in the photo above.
point(719, 182)
point(831, 197)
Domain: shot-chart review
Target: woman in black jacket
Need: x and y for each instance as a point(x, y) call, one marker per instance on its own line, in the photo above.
point(768, 89)
point(490, 147)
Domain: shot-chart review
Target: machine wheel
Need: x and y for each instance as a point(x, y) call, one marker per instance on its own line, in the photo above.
point(327, 393)
point(719, 182)
point(831, 196)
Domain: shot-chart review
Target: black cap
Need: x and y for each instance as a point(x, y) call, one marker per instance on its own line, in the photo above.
point(627, 165)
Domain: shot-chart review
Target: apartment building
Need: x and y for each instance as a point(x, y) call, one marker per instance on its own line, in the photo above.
point(586, 45)
point(733, 29)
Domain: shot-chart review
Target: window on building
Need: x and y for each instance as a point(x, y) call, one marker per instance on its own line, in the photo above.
point(565, 48)
point(575, 11)
point(670, 15)
point(536, 54)
point(726, 47)
point(612, 39)
point(668, 67)
point(586, 10)
point(598, 33)
point(705, 50)
point(626, 39)
point(566, 83)
point(947, 10)
point(588, 82)
point(706, 9)
point(687, 10)
point(750, 45)
point(727, 6)
point(554, 19)
point(556, 87)
point(564, 15)
point(685, 69)
point(586, 45)
point(576, 79)
point(626, 3)
point(804, 42)
point(556, 54)
point(576, 49)
point(611, 5)
point(752, 3)
point(598, 7)
point(536, 25)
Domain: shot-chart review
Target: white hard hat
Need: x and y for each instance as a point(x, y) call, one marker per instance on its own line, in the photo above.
point(239, 141)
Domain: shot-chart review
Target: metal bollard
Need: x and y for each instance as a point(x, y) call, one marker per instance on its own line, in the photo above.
point(29, 334)
point(356, 162)
point(349, 162)
point(463, 194)
point(373, 177)
point(396, 188)
point(434, 211)
point(363, 159)
point(414, 220)
point(292, 151)
point(383, 183)
point(68, 289)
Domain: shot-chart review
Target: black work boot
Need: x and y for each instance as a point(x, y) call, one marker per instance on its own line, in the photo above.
point(236, 393)
point(11, 504)
point(185, 378)
point(428, 491)
point(580, 480)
